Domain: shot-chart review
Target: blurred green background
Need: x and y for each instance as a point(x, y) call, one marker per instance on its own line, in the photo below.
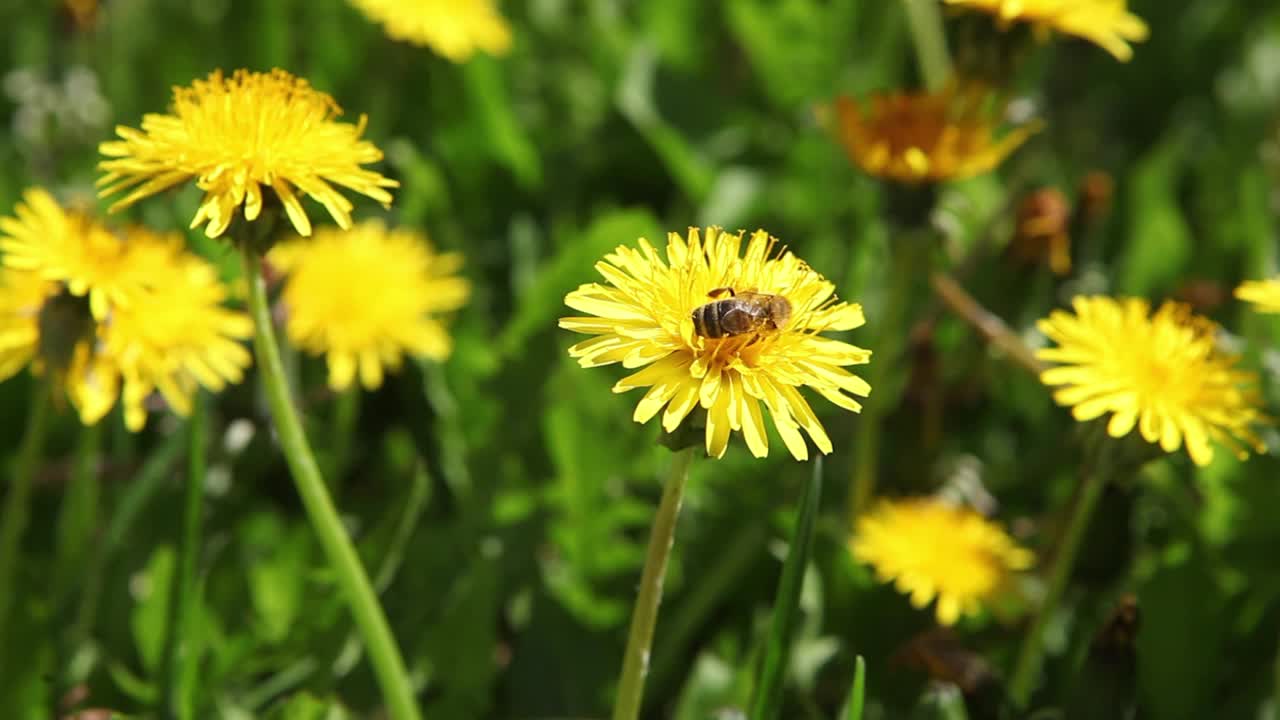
point(507, 561)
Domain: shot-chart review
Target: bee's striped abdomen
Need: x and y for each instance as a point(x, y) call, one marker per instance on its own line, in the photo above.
point(706, 319)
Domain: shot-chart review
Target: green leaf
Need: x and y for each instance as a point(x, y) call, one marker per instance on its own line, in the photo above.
point(490, 103)
point(1181, 638)
point(150, 614)
point(1159, 237)
point(277, 558)
point(543, 302)
point(768, 697)
point(857, 694)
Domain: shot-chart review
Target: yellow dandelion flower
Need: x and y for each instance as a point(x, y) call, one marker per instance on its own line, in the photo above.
point(743, 351)
point(235, 136)
point(1264, 294)
point(1106, 23)
point(73, 249)
point(930, 549)
point(1161, 372)
point(29, 332)
point(366, 297)
point(22, 294)
point(454, 28)
point(925, 137)
point(177, 335)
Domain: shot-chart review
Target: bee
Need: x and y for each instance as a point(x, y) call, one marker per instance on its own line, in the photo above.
point(740, 314)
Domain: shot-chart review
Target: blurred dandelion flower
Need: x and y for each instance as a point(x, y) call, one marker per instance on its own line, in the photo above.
point(177, 335)
point(644, 318)
point(1106, 23)
point(926, 137)
point(71, 248)
point(52, 331)
point(235, 136)
point(368, 296)
point(1161, 372)
point(103, 312)
point(22, 294)
point(454, 28)
point(1264, 294)
point(931, 549)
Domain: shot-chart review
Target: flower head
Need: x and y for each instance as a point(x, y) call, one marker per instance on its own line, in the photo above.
point(1264, 294)
point(1161, 372)
point(22, 294)
point(73, 249)
point(644, 317)
point(930, 549)
point(107, 313)
point(454, 28)
point(177, 335)
point(366, 297)
point(1106, 23)
point(925, 137)
point(235, 136)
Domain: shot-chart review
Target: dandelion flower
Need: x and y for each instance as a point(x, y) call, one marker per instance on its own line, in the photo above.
point(366, 297)
point(454, 28)
point(32, 335)
point(1106, 23)
point(102, 313)
point(235, 136)
point(931, 549)
point(1160, 372)
point(177, 335)
point(643, 318)
point(1264, 294)
point(925, 137)
point(71, 248)
point(22, 294)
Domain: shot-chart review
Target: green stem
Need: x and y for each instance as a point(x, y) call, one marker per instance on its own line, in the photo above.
point(346, 412)
point(768, 700)
point(644, 616)
point(930, 41)
point(388, 666)
point(18, 500)
point(890, 342)
point(1027, 669)
point(180, 648)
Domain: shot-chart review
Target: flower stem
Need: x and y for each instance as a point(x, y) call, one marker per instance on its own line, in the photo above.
point(13, 518)
point(908, 254)
point(1029, 656)
point(930, 41)
point(644, 616)
point(988, 325)
point(388, 666)
point(181, 650)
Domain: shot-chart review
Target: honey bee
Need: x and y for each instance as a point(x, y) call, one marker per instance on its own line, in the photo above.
point(740, 314)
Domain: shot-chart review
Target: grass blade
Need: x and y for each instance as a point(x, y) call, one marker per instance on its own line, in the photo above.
point(768, 698)
point(857, 694)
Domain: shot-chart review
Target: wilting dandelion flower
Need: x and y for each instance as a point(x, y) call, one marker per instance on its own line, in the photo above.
point(366, 297)
point(644, 317)
point(106, 313)
point(926, 137)
point(931, 549)
point(235, 136)
point(454, 28)
point(1160, 372)
point(1106, 23)
point(1264, 294)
